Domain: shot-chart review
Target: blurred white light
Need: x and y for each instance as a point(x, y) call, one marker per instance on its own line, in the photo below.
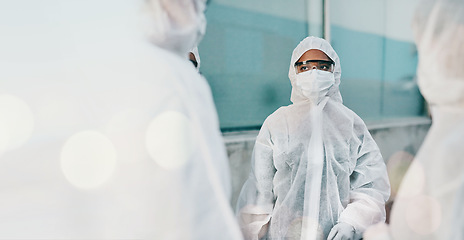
point(169, 139)
point(397, 167)
point(415, 177)
point(88, 159)
point(423, 215)
point(16, 122)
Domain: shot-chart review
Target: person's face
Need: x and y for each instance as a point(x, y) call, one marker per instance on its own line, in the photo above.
point(193, 59)
point(314, 59)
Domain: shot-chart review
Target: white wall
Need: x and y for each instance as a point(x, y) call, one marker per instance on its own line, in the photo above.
point(389, 18)
point(289, 9)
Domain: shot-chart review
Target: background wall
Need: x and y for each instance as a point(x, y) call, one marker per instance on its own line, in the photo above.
point(375, 42)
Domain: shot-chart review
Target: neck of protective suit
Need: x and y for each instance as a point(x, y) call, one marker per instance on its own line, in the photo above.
point(314, 84)
point(323, 85)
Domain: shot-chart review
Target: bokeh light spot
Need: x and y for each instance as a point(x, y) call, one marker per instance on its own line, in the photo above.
point(415, 177)
point(423, 214)
point(169, 139)
point(88, 159)
point(16, 123)
point(397, 167)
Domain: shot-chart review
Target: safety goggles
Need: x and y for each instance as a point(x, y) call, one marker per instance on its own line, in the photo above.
point(323, 65)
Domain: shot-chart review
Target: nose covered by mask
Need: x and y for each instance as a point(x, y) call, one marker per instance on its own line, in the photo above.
point(314, 84)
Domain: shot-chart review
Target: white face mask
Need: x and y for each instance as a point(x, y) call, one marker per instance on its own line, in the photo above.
point(314, 84)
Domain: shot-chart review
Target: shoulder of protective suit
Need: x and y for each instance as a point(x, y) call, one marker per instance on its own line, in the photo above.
point(338, 108)
point(276, 117)
point(340, 113)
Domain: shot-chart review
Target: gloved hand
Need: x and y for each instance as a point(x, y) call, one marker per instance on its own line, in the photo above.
point(342, 231)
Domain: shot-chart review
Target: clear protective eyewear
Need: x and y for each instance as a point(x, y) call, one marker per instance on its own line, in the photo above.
point(323, 65)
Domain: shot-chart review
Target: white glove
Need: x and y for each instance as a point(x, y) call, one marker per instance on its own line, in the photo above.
point(342, 231)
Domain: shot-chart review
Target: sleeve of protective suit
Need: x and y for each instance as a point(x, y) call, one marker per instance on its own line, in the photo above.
point(369, 183)
point(256, 200)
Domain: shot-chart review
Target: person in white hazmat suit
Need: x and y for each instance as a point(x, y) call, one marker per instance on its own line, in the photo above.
point(316, 171)
point(430, 201)
point(107, 131)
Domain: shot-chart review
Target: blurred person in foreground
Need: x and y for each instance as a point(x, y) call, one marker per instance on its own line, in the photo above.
point(107, 131)
point(429, 204)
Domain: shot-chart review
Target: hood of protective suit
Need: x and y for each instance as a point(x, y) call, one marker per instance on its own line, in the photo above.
point(439, 34)
point(324, 46)
point(175, 25)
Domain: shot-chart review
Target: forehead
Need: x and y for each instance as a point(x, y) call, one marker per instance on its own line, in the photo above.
point(314, 54)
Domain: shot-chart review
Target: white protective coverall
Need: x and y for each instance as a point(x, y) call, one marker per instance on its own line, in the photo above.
point(430, 201)
point(313, 167)
point(105, 132)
